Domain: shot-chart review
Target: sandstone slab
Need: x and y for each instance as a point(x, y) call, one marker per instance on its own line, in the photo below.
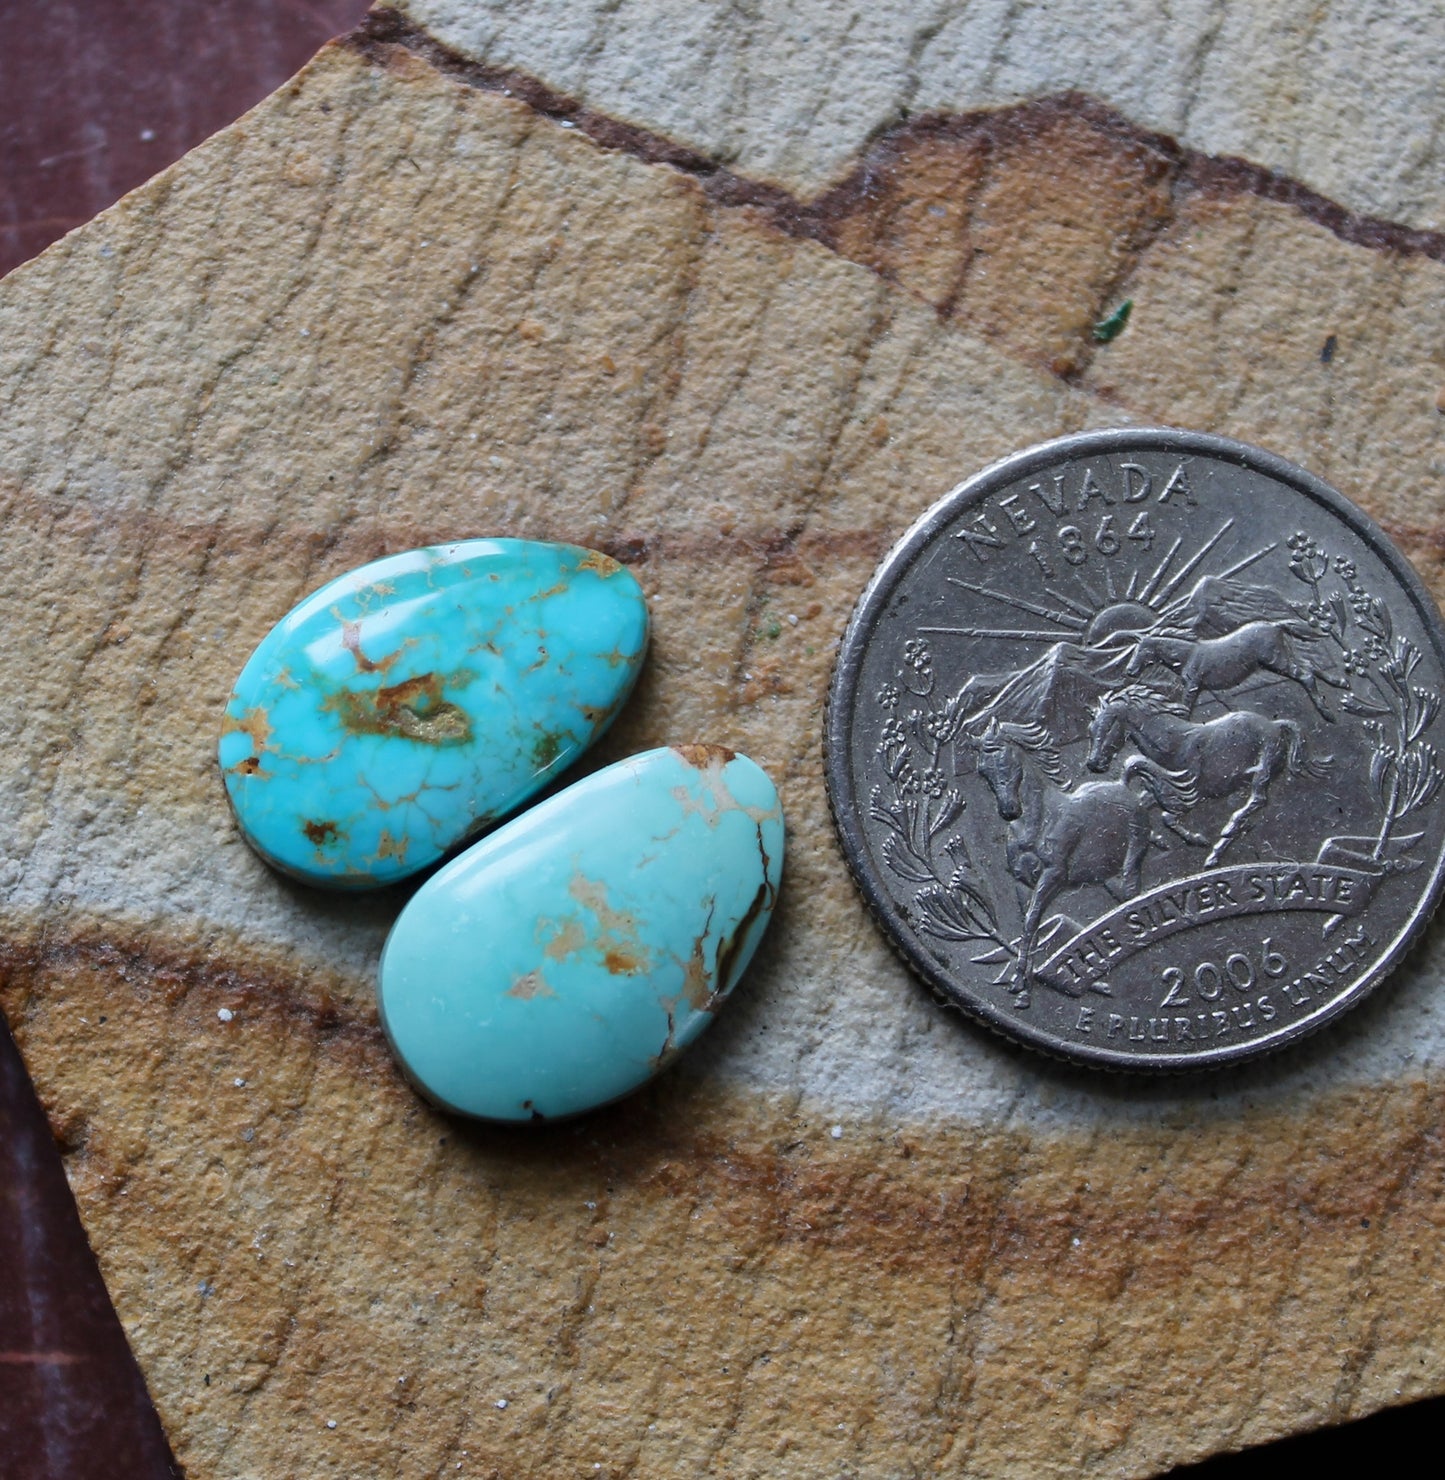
point(415, 298)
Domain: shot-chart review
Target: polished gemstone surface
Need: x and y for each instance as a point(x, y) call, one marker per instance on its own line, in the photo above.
point(410, 702)
point(566, 959)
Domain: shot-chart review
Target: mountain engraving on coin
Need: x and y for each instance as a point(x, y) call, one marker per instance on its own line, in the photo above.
point(1132, 748)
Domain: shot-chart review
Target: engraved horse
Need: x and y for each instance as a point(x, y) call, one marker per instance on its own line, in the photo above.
point(1222, 662)
point(1061, 838)
point(1221, 756)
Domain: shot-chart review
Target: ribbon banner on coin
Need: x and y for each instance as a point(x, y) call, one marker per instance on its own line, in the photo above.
point(1132, 749)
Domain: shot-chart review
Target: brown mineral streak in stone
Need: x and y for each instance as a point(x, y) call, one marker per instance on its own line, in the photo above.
point(1051, 1253)
point(172, 976)
point(594, 716)
point(603, 565)
point(411, 710)
point(698, 986)
point(351, 641)
point(529, 986)
point(728, 948)
point(388, 846)
point(706, 757)
point(229, 537)
point(254, 723)
point(1425, 543)
point(569, 937)
point(616, 940)
point(384, 29)
point(1043, 290)
point(936, 195)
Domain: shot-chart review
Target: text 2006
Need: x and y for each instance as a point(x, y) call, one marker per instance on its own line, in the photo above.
point(1208, 979)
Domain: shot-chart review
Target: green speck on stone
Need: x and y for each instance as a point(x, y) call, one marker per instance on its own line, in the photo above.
point(1112, 327)
point(546, 751)
point(773, 629)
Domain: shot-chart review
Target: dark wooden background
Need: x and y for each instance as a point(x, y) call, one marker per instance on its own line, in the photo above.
point(95, 97)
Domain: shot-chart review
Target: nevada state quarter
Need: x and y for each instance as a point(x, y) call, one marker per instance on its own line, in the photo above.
point(1133, 745)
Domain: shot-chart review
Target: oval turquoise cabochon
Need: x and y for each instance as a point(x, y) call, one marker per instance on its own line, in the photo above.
point(412, 701)
point(564, 960)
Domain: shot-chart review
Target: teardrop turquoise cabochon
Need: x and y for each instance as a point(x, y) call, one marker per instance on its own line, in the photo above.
point(565, 959)
point(412, 701)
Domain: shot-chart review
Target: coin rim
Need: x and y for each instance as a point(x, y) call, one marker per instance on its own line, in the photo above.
point(842, 700)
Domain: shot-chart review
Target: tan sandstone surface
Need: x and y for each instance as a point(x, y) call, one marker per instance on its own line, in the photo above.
point(422, 294)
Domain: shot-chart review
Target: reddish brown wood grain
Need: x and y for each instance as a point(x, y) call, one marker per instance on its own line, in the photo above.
point(96, 97)
point(73, 1404)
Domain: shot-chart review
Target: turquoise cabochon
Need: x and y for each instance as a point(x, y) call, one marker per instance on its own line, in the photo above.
point(568, 957)
point(409, 703)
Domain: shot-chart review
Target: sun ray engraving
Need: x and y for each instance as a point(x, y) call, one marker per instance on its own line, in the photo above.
point(1159, 570)
point(1077, 606)
point(1021, 634)
point(1248, 560)
point(1064, 618)
point(1084, 587)
point(1172, 584)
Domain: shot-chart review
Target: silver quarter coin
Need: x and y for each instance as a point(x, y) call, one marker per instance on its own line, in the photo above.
point(1133, 746)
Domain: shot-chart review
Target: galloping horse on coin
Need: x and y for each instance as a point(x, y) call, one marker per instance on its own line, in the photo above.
point(1221, 662)
point(1221, 756)
point(1060, 838)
